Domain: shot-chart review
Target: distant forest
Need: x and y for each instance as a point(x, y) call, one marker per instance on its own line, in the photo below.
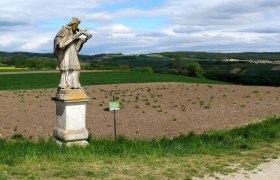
point(166, 62)
point(273, 56)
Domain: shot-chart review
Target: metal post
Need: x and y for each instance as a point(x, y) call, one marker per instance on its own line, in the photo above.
point(115, 125)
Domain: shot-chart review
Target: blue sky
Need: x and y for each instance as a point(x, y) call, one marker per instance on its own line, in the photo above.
point(136, 4)
point(144, 23)
point(144, 26)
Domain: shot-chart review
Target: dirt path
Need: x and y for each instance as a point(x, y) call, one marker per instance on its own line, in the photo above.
point(264, 171)
point(50, 71)
point(150, 109)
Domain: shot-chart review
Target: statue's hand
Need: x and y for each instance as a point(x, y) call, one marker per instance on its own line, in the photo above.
point(84, 40)
point(83, 31)
point(89, 36)
point(77, 35)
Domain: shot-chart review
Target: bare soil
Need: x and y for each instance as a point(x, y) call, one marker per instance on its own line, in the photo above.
point(150, 109)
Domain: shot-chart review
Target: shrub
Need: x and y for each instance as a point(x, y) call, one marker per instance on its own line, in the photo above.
point(124, 67)
point(178, 64)
point(148, 69)
point(195, 70)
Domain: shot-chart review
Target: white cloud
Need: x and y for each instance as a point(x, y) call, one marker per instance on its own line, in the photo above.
point(99, 17)
point(216, 25)
point(114, 29)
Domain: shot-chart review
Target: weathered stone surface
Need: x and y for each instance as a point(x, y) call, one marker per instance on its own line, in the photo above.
point(70, 135)
point(74, 143)
point(71, 115)
point(70, 98)
point(67, 43)
point(71, 94)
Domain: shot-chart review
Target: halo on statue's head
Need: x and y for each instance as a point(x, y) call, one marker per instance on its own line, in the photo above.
point(74, 21)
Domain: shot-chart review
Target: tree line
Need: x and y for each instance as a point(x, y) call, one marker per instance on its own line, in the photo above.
point(31, 63)
point(274, 56)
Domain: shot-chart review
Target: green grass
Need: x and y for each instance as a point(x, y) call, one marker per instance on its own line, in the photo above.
point(6, 68)
point(181, 157)
point(50, 80)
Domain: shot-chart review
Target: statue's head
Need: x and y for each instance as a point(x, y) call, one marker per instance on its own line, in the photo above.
point(74, 23)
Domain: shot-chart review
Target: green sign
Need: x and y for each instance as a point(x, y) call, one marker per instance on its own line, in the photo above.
point(114, 105)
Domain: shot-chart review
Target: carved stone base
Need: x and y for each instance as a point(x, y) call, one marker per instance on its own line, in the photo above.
point(71, 94)
point(73, 143)
point(71, 116)
point(70, 135)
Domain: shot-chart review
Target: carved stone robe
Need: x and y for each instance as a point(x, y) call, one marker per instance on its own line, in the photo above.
point(66, 46)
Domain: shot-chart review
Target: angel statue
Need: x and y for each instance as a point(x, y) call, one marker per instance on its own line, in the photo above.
point(67, 43)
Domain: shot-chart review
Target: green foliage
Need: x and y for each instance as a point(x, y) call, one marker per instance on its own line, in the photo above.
point(181, 157)
point(50, 80)
point(167, 62)
point(17, 136)
point(222, 56)
point(124, 67)
point(194, 69)
point(146, 69)
point(216, 142)
point(260, 80)
point(188, 55)
point(100, 66)
point(31, 63)
point(140, 61)
point(178, 63)
point(248, 74)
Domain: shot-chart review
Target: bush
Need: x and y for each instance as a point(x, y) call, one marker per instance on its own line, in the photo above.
point(194, 69)
point(148, 69)
point(124, 67)
point(177, 63)
point(86, 67)
point(99, 66)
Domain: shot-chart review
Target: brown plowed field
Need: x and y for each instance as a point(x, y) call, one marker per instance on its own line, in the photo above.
point(150, 109)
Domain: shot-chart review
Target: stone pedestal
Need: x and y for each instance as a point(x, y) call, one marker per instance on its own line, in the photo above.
point(71, 117)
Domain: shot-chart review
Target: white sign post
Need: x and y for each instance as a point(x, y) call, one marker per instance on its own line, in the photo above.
point(114, 106)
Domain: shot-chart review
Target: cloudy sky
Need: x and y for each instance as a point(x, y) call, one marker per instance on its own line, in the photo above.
point(144, 26)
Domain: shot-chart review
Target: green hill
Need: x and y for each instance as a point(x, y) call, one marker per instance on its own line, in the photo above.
point(214, 67)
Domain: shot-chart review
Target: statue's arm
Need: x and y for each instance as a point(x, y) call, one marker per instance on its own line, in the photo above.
point(80, 44)
point(81, 41)
point(66, 43)
point(69, 40)
point(63, 39)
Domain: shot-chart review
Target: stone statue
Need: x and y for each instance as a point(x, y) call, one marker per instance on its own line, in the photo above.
point(67, 43)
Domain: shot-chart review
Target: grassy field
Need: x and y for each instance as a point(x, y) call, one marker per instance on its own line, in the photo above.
point(50, 80)
point(181, 157)
point(11, 69)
